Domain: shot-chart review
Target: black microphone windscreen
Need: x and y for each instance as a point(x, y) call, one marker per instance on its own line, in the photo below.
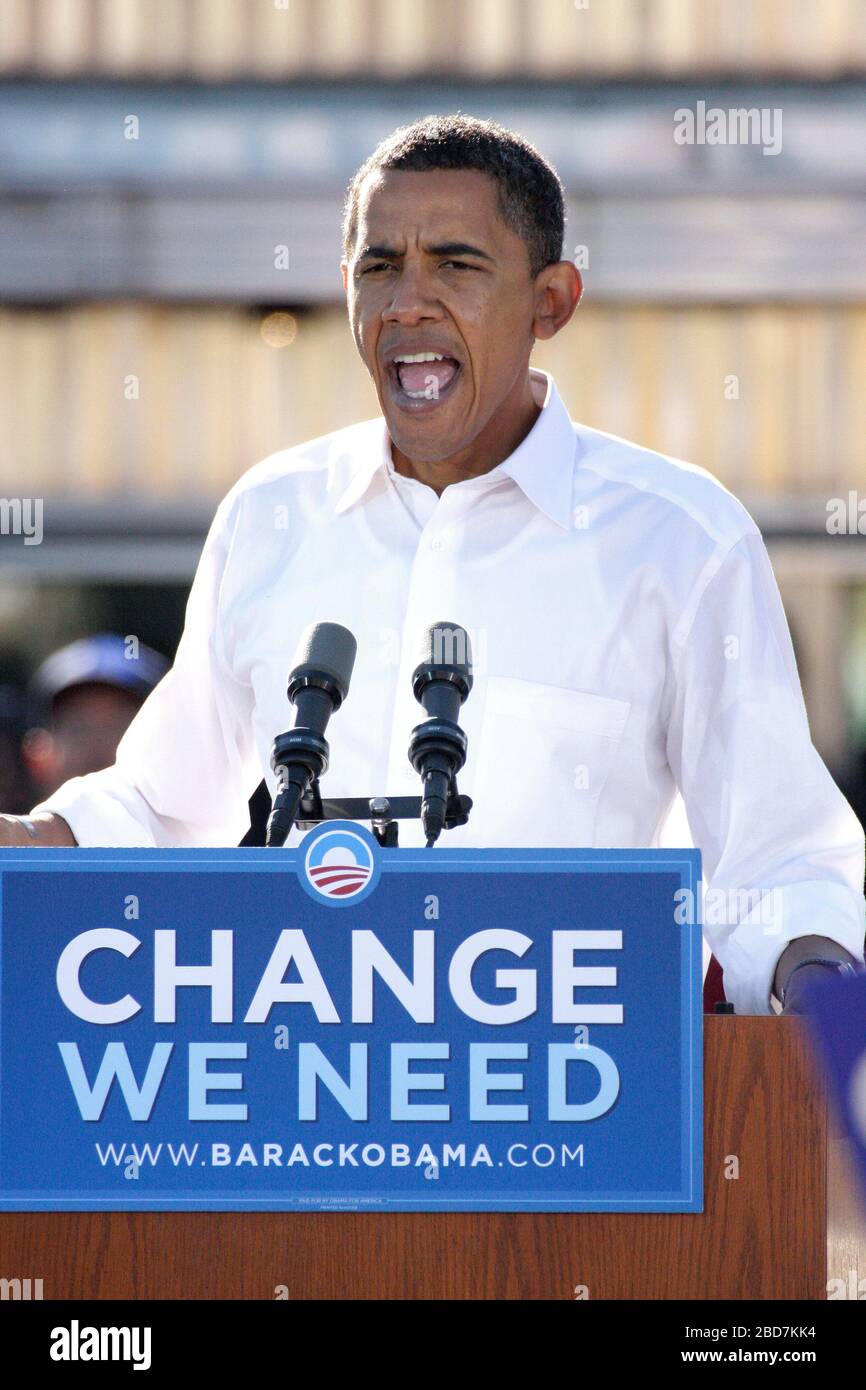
point(329, 648)
point(446, 644)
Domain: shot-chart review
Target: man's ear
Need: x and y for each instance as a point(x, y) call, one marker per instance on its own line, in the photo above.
point(344, 271)
point(558, 289)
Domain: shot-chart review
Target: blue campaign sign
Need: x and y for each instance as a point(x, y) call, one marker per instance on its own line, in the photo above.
point(342, 1026)
point(837, 1018)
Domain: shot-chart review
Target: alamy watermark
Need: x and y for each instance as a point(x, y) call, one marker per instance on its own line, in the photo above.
point(725, 907)
point(22, 516)
point(740, 125)
point(21, 1290)
point(846, 516)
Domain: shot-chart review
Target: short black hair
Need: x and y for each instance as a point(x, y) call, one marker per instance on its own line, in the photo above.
point(531, 197)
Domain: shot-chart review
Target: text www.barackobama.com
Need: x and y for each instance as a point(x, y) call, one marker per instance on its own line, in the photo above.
point(328, 1155)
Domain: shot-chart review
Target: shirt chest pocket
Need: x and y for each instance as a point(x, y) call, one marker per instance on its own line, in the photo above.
point(543, 759)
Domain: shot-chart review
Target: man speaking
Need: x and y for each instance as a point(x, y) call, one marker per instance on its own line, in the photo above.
point(628, 634)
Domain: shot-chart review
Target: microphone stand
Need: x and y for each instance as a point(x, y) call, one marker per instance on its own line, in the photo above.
point(309, 754)
point(383, 812)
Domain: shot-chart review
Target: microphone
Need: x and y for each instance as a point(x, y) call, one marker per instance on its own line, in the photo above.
point(437, 750)
point(318, 685)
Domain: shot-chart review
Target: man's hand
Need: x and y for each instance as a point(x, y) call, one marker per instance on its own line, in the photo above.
point(51, 831)
point(798, 969)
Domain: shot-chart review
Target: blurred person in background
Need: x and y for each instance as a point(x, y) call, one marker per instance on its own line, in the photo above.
point(83, 698)
point(15, 789)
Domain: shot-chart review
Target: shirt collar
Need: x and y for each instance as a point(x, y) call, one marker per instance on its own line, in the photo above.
point(542, 465)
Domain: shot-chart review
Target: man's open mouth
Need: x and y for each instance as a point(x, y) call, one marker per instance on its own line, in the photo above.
point(423, 376)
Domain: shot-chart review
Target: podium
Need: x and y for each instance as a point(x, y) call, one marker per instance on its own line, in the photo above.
point(780, 1220)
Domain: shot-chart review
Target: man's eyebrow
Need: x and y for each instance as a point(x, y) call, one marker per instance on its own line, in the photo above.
point(443, 248)
point(457, 248)
point(383, 252)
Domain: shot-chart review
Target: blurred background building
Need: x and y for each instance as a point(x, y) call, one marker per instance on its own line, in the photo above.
point(171, 176)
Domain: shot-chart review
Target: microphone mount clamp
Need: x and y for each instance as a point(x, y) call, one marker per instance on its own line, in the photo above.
point(383, 812)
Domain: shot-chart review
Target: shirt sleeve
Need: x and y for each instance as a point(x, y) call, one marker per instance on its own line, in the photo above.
point(187, 765)
point(783, 852)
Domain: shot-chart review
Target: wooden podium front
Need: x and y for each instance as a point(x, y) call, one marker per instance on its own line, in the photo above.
point(780, 1229)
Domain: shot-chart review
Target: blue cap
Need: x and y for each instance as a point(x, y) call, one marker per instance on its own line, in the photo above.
point(106, 659)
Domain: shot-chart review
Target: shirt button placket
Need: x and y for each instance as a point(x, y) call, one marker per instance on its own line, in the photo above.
point(426, 585)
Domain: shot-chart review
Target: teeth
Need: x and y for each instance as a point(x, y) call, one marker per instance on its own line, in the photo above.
point(421, 357)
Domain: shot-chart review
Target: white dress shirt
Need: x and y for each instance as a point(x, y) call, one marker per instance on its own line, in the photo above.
point(628, 638)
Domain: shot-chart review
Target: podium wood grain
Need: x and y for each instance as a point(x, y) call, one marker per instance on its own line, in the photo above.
point(761, 1235)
